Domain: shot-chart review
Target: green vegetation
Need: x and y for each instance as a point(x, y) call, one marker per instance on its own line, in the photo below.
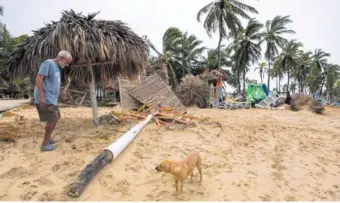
point(239, 48)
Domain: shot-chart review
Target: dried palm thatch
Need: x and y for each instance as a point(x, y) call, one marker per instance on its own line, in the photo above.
point(298, 101)
point(317, 107)
point(193, 91)
point(214, 75)
point(110, 47)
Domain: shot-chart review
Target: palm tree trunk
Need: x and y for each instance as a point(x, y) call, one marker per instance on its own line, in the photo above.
point(219, 42)
point(165, 71)
point(93, 95)
point(279, 83)
point(288, 93)
point(288, 78)
point(322, 84)
point(268, 84)
point(244, 80)
point(239, 79)
point(261, 75)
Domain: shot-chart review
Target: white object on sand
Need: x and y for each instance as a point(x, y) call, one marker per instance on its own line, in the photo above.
point(119, 145)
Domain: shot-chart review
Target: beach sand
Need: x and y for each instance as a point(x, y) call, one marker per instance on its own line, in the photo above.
point(256, 155)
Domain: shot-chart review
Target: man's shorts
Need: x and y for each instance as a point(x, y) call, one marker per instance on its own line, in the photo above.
point(50, 113)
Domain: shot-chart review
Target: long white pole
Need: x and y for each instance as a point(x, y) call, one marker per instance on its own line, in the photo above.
point(119, 145)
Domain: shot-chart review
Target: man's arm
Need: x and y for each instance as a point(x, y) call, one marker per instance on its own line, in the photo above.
point(43, 72)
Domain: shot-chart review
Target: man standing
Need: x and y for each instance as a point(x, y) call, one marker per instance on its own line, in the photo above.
point(46, 94)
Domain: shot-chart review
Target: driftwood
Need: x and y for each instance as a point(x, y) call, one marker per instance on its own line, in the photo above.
point(77, 187)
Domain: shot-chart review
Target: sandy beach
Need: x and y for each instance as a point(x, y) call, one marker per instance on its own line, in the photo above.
point(256, 155)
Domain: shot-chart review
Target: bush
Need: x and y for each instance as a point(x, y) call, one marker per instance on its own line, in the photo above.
point(193, 91)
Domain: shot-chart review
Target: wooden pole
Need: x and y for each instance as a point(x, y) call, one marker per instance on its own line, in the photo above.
point(108, 155)
point(93, 96)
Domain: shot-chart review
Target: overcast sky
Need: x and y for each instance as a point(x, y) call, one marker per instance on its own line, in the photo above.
point(316, 22)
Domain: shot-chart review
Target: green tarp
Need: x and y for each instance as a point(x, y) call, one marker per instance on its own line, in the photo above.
point(255, 93)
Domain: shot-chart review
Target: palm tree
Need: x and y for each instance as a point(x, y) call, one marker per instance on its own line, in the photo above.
point(303, 69)
point(277, 72)
point(320, 62)
point(262, 67)
point(293, 87)
point(170, 49)
point(211, 61)
point(180, 53)
point(332, 74)
point(288, 59)
point(273, 38)
point(223, 14)
point(247, 48)
point(192, 50)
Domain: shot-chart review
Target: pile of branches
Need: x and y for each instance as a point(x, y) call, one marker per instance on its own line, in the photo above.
point(193, 91)
point(298, 101)
point(163, 116)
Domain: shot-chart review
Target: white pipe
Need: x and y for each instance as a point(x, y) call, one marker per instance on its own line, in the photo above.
point(119, 145)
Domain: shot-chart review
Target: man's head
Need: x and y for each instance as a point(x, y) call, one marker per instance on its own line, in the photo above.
point(63, 59)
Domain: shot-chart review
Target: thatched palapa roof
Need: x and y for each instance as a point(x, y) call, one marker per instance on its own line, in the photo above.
point(214, 75)
point(110, 46)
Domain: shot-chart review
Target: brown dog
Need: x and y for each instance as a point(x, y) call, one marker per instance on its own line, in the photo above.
point(181, 170)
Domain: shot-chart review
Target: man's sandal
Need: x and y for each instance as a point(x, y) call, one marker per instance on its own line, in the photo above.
point(48, 147)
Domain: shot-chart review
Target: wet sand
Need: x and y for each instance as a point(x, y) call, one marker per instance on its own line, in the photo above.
point(256, 155)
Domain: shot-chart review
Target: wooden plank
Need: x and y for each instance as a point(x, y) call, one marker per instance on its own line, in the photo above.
point(154, 91)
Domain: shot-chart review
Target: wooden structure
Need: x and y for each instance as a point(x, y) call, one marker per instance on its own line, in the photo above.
point(126, 100)
point(153, 91)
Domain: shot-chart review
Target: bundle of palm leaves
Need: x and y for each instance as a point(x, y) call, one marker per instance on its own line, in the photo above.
point(317, 107)
point(193, 91)
point(298, 101)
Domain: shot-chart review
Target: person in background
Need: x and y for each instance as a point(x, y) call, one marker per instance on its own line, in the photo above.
point(46, 94)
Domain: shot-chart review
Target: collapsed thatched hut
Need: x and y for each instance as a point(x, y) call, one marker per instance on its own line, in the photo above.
point(101, 50)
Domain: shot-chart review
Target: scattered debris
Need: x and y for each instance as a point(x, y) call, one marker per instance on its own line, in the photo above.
point(270, 101)
point(230, 104)
point(163, 116)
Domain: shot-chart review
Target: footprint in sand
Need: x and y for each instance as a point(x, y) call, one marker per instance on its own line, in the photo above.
point(16, 172)
point(43, 181)
point(138, 154)
point(49, 195)
point(56, 167)
point(121, 186)
point(102, 182)
point(28, 195)
point(24, 184)
point(290, 198)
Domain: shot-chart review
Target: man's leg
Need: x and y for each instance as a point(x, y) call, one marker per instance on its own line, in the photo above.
point(50, 115)
point(50, 126)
